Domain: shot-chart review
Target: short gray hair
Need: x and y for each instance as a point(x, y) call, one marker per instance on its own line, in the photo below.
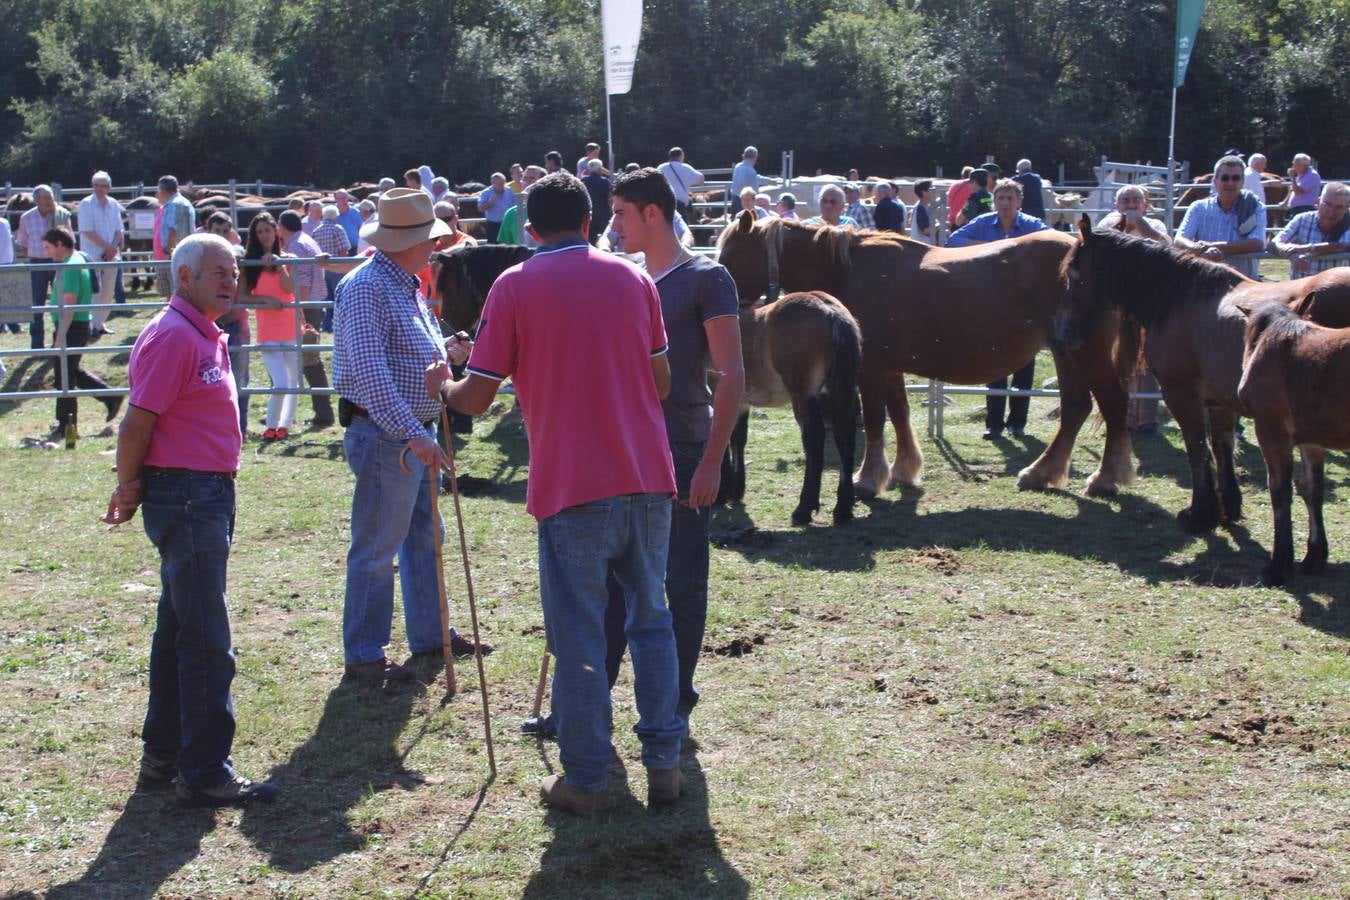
point(831, 189)
point(1303, 158)
point(1336, 187)
point(1024, 165)
point(101, 177)
point(330, 212)
point(440, 182)
point(1229, 161)
point(882, 187)
point(1132, 189)
point(168, 183)
point(386, 183)
point(43, 189)
point(190, 251)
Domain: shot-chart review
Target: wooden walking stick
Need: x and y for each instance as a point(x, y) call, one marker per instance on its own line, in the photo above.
point(451, 686)
point(468, 580)
point(539, 688)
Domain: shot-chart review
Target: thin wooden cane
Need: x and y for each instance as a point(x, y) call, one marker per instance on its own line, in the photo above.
point(451, 686)
point(468, 580)
point(539, 688)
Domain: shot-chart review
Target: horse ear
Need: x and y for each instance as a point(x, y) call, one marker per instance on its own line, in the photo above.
point(1085, 227)
point(746, 221)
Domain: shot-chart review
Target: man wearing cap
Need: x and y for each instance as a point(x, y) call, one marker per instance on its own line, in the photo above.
point(855, 208)
point(384, 337)
point(979, 202)
point(178, 452)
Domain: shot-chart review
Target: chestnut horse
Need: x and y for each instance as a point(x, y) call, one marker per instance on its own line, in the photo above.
point(1296, 385)
point(1193, 312)
point(802, 350)
point(966, 316)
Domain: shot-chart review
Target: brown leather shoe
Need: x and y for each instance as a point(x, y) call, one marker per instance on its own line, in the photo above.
point(664, 785)
point(462, 646)
point(558, 794)
point(382, 669)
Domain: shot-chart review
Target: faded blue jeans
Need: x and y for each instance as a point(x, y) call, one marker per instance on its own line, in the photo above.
point(190, 519)
point(578, 548)
point(391, 515)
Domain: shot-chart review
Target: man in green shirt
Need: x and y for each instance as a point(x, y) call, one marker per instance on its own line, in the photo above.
point(72, 292)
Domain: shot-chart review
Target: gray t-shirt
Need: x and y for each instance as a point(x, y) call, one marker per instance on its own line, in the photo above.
point(691, 294)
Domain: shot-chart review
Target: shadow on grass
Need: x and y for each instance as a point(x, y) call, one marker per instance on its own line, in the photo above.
point(150, 841)
point(510, 477)
point(30, 375)
point(352, 754)
point(633, 851)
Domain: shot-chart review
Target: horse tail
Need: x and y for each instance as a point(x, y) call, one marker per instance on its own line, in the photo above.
point(846, 350)
point(1129, 351)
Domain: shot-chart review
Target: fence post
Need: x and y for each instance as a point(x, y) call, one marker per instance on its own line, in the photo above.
point(56, 190)
point(234, 206)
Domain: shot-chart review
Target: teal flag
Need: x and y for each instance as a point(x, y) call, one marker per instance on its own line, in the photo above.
point(1188, 23)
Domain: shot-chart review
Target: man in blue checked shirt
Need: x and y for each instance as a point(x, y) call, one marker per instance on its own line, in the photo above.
point(384, 337)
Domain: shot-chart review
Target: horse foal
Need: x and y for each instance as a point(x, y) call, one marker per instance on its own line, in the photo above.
point(1296, 386)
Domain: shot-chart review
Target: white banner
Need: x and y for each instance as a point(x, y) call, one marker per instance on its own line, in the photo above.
point(621, 25)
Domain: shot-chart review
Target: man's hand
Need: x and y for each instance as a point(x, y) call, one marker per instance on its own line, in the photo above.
point(458, 348)
point(436, 375)
point(428, 452)
point(123, 503)
point(704, 485)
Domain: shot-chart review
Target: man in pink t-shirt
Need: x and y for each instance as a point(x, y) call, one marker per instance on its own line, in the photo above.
point(177, 452)
point(581, 335)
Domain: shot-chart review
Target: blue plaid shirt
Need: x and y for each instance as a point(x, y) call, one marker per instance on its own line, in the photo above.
point(384, 337)
point(1302, 229)
point(1205, 220)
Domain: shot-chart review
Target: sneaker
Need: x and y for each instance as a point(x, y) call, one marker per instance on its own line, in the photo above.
point(157, 770)
point(281, 434)
point(382, 669)
point(992, 434)
point(270, 434)
point(462, 646)
point(237, 790)
point(663, 785)
point(558, 794)
point(540, 727)
point(1017, 431)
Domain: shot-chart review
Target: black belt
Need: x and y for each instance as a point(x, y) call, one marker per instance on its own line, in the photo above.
point(167, 470)
point(361, 412)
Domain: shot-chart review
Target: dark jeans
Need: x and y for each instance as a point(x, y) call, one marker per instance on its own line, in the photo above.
point(492, 228)
point(1017, 407)
point(239, 366)
point(67, 408)
point(42, 285)
point(189, 517)
point(119, 291)
point(686, 583)
point(332, 279)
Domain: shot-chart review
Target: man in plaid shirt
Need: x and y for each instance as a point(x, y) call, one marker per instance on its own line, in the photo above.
point(384, 337)
point(43, 217)
point(1310, 236)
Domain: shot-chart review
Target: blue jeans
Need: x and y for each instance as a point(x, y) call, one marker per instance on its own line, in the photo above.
point(686, 583)
point(332, 279)
point(190, 519)
point(578, 547)
point(391, 514)
point(42, 285)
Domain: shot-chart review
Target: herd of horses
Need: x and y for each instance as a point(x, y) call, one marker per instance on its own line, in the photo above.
point(861, 310)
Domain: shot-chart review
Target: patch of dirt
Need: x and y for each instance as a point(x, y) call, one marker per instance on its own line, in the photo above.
point(938, 559)
point(740, 646)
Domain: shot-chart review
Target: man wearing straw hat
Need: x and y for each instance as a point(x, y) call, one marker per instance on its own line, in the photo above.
point(601, 480)
point(384, 337)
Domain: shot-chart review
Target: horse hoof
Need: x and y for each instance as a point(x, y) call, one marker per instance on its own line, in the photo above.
point(1313, 565)
point(842, 516)
point(1193, 524)
point(801, 517)
point(864, 491)
point(1272, 574)
point(1101, 487)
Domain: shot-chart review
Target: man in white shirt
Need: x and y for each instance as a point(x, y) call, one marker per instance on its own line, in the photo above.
point(1251, 177)
point(681, 177)
point(101, 240)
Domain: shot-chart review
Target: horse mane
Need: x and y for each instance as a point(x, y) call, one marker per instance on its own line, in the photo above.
point(487, 261)
point(1149, 280)
point(1275, 319)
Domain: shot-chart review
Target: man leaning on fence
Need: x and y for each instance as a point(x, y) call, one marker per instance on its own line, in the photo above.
point(45, 215)
point(1311, 236)
point(177, 455)
point(384, 337)
point(1228, 222)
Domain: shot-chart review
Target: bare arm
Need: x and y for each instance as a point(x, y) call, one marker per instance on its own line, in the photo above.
point(133, 442)
point(471, 396)
point(724, 346)
point(661, 372)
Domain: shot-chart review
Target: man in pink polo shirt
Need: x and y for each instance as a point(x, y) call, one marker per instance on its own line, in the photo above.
point(177, 454)
point(601, 478)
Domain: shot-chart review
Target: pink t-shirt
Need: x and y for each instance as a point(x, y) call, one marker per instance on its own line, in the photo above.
point(576, 329)
point(277, 325)
point(180, 371)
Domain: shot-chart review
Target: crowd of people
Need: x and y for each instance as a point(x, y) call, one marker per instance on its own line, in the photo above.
point(623, 545)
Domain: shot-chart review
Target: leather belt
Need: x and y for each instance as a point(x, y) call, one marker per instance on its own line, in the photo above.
point(168, 470)
point(361, 411)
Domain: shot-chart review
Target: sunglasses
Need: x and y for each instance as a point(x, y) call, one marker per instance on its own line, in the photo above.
point(1230, 177)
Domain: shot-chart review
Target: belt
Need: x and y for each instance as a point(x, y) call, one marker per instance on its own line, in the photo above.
point(168, 470)
point(361, 411)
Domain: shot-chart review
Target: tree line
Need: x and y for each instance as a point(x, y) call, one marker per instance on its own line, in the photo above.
point(304, 91)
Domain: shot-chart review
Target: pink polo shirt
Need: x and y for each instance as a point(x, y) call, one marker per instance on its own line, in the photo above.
point(576, 329)
point(180, 371)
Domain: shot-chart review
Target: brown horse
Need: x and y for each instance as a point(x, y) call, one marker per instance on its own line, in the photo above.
point(802, 350)
point(966, 316)
point(1296, 385)
point(1193, 312)
point(464, 275)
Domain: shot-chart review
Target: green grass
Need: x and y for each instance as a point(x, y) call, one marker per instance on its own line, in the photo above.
point(970, 690)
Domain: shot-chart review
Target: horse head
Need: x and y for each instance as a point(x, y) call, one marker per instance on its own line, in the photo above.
point(1079, 305)
point(464, 275)
point(750, 254)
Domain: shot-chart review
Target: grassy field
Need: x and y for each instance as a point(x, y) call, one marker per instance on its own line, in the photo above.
point(970, 691)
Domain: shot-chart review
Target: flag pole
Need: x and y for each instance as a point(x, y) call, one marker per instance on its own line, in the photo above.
point(1172, 163)
point(609, 128)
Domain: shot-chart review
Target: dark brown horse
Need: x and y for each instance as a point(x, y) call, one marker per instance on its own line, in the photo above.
point(464, 275)
point(966, 316)
point(1193, 312)
point(1296, 385)
point(802, 350)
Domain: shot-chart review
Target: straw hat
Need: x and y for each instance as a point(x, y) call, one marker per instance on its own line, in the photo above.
point(406, 220)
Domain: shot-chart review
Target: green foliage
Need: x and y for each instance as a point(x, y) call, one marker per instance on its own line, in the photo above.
point(339, 90)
